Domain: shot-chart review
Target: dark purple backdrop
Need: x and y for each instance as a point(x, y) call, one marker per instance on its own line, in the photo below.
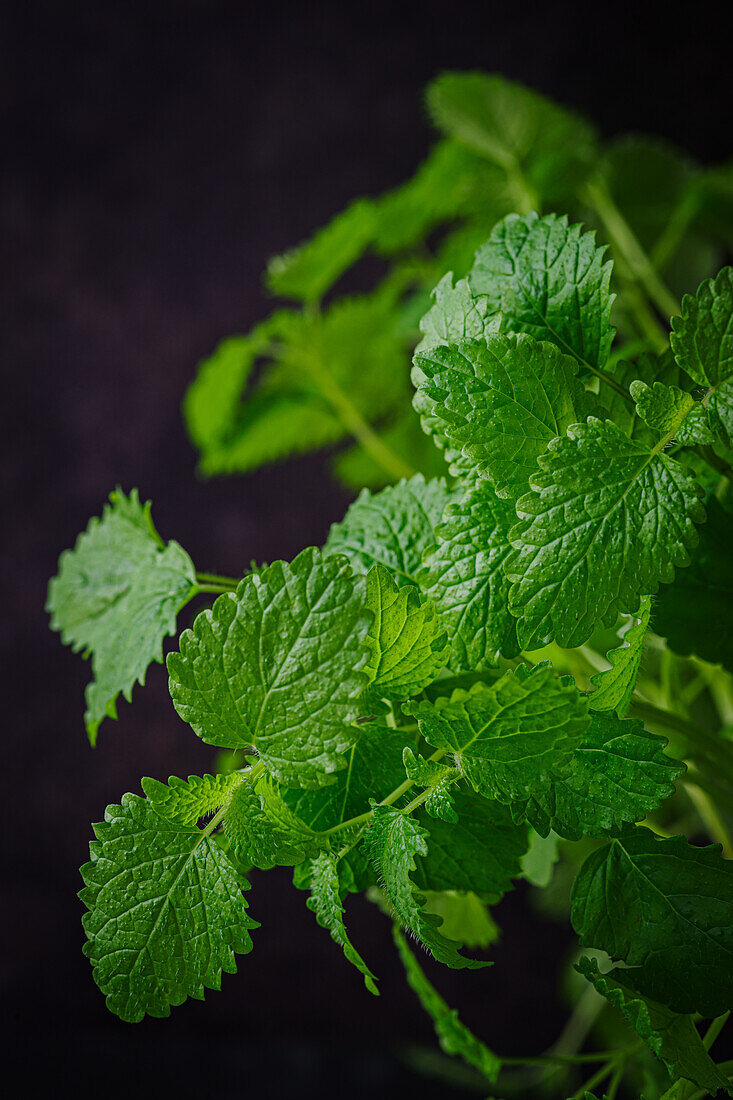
point(156, 155)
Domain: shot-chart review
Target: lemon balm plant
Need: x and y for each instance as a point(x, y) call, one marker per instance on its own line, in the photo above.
point(507, 663)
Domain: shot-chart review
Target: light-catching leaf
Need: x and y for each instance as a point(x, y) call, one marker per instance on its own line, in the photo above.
point(661, 906)
point(116, 595)
point(186, 801)
point(662, 407)
point(499, 401)
point(325, 902)
point(464, 577)
point(453, 1036)
point(512, 738)
point(465, 917)
point(608, 519)
point(166, 911)
point(435, 777)
point(393, 841)
point(615, 685)
point(702, 338)
point(276, 665)
point(262, 829)
point(549, 279)
point(673, 1038)
point(407, 641)
point(456, 315)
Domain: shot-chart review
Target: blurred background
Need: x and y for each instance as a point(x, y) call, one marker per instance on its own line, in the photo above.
point(155, 156)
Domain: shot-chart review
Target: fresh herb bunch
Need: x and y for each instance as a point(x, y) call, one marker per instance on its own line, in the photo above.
point(469, 683)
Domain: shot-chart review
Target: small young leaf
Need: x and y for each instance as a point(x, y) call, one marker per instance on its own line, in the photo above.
point(607, 520)
point(663, 408)
point(166, 911)
point(702, 338)
point(615, 686)
point(456, 315)
point(116, 596)
point(186, 801)
point(673, 1038)
point(453, 1036)
point(407, 642)
point(663, 908)
point(325, 902)
point(549, 279)
point(509, 739)
point(262, 829)
point(437, 777)
point(276, 665)
point(393, 841)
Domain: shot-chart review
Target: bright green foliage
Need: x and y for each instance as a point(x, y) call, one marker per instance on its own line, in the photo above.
point(394, 840)
point(695, 612)
point(325, 902)
point(392, 528)
point(437, 779)
point(407, 641)
point(308, 271)
point(615, 686)
point(464, 576)
point(662, 907)
point(166, 911)
point(617, 775)
point(549, 279)
point(702, 338)
point(465, 917)
point(456, 315)
point(186, 801)
point(510, 739)
point(500, 401)
point(673, 1038)
point(663, 408)
point(607, 520)
point(276, 666)
point(538, 862)
point(262, 829)
point(481, 852)
point(454, 1037)
point(116, 596)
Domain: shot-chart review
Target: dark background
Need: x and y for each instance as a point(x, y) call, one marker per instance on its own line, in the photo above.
point(155, 155)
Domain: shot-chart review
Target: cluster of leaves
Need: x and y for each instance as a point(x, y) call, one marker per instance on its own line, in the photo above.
point(330, 369)
point(409, 709)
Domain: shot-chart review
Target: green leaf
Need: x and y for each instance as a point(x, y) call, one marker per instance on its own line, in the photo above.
point(663, 907)
point(618, 774)
point(116, 595)
point(538, 862)
point(544, 149)
point(663, 408)
point(308, 271)
point(499, 401)
point(374, 769)
point(437, 777)
point(615, 686)
point(392, 528)
point(465, 917)
point(325, 902)
point(262, 829)
point(166, 911)
point(393, 841)
point(607, 520)
point(673, 1038)
point(185, 801)
point(407, 642)
point(481, 852)
point(695, 612)
point(509, 739)
point(549, 279)
point(702, 338)
point(453, 1036)
point(456, 315)
point(464, 577)
point(276, 665)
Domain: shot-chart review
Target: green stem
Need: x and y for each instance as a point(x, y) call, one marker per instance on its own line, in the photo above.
point(677, 225)
point(595, 1079)
point(707, 741)
point(714, 1030)
point(710, 817)
point(215, 588)
point(216, 578)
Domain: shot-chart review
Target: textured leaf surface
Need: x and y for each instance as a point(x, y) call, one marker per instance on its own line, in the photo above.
point(393, 841)
point(702, 338)
point(453, 1036)
point(407, 642)
point(695, 612)
point(166, 911)
point(456, 315)
point(663, 907)
point(617, 775)
point(511, 738)
point(549, 279)
point(663, 408)
point(186, 801)
point(392, 528)
point(615, 686)
point(325, 902)
point(276, 665)
point(435, 777)
point(673, 1038)
point(263, 830)
point(607, 520)
point(116, 595)
point(464, 577)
